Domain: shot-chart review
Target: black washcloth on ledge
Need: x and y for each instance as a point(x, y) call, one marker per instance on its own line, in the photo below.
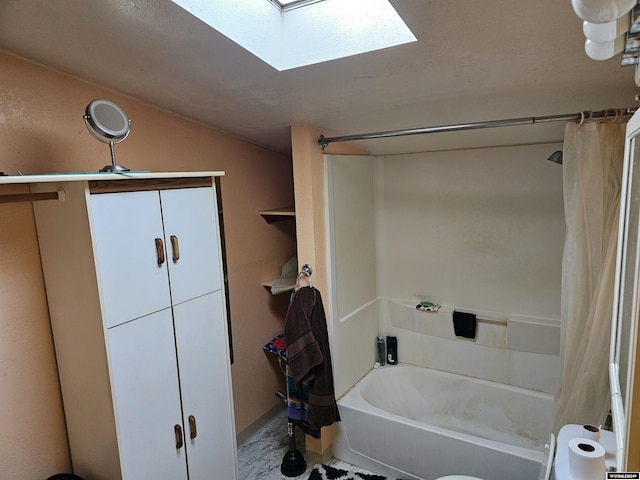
point(464, 324)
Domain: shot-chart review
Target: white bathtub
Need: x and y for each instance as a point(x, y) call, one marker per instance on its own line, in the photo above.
point(416, 423)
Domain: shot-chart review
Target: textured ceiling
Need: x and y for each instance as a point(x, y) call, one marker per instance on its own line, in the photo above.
point(474, 60)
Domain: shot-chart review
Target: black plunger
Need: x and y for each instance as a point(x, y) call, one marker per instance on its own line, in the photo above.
point(293, 463)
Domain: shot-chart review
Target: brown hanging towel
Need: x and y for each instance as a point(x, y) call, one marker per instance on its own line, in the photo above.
point(308, 355)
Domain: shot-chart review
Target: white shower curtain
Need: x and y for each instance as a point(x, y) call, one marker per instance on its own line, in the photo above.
point(592, 171)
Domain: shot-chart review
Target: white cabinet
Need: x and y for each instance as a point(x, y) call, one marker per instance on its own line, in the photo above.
point(132, 281)
point(144, 383)
point(145, 386)
point(134, 284)
point(139, 235)
point(203, 383)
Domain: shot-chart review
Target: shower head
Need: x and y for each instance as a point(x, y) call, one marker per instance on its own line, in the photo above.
point(556, 157)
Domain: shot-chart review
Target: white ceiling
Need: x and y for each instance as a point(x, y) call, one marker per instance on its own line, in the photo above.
point(474, 60)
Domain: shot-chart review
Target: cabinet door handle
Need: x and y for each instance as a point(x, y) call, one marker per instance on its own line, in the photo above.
point(175, 247)
point(178, 431)
point(193, 431)
point(160, 251)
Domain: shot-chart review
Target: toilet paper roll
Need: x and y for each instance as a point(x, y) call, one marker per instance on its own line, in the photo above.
point(586, 459)
point(590, 431)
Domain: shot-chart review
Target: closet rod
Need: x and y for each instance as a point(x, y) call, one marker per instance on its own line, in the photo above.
point(324, 141)
point(28, 197)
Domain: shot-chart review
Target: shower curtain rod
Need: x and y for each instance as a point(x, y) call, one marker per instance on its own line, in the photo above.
point(324, 141)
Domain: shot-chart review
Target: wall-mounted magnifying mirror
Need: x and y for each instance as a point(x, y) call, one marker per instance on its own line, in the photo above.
point(109, 124)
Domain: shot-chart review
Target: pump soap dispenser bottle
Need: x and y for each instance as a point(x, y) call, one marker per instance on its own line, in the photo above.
point(392, 350)
point(381, 351)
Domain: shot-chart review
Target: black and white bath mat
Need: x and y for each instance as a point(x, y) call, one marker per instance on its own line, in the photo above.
point(325, 472)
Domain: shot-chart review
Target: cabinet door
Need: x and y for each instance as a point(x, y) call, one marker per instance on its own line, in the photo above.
point(190, 217)
point(133, 282)
point(144, 382)
point(206, 388)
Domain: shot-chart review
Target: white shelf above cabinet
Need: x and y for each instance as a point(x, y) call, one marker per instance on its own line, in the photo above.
point(89, 176)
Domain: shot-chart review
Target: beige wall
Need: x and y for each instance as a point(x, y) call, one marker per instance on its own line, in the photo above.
point(308, 167)
point(41, 130)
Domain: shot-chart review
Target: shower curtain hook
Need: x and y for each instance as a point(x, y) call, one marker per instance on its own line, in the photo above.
point(581, 118)
point(590, 115)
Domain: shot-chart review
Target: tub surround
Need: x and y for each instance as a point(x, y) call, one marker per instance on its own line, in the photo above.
point(353, 359)
point(351, 243)
point(481, 231)
point(509, 349)
point(502, 330)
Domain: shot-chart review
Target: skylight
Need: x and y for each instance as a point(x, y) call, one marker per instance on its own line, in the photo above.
point(291, 37)
point(285, 5)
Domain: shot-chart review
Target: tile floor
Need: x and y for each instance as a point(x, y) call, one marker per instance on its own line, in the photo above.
point(259, 458)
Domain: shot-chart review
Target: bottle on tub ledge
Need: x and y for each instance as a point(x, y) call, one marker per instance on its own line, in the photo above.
point(392, 350)
point(381, 355)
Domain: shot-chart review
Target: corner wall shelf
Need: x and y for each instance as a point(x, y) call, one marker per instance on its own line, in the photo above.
point(271, 216)
point(269, 284)
point(278, 214)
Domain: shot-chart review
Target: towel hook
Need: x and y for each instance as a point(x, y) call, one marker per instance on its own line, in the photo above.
point(305, 272)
